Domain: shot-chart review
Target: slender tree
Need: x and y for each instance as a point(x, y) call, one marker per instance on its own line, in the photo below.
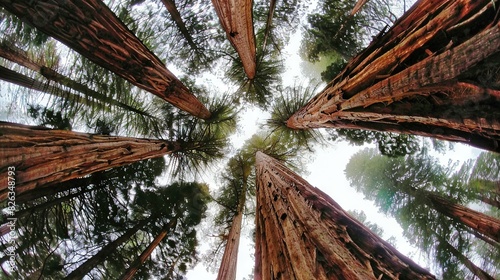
point(129, 274)
point(105, 40)
point(430, 91)
point(237, 182)
point(303, 234)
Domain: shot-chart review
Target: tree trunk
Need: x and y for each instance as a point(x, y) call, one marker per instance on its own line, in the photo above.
point(43, 156)
point(228, 266)
point(416, 80)
point(129, 274)
point(236, 19)
point(303, 234)
point(107, 250)
point(488, 200)
point(477, 271)
point(93, 30)
point(18, 56)
point(27, 82)
point(478, 221)
point(176, 16)
point(227, 269)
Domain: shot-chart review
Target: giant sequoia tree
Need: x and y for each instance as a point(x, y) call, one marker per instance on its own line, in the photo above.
point(430, 203)
point(44, 157)
point(303, 234)
point(236, 19)
point(431, 74)
point(93, 30)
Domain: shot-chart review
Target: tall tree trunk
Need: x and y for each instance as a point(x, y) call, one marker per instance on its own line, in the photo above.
point(228, 266)
point(93, 30)
point(107, 250)
point(27, 82)
point(43, 156)
point(134, 267)
point(415, 80)
point(129, 274)
point(303, 234)
point(18, 56)
point(176, 16)
point(227, 269)
point(477, 271)
point(478, 221)
point(236, 19)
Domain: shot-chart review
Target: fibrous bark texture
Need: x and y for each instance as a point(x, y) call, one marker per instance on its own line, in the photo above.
point(434, 73)
point(303, 234)
point(227, 270)
point(44, 157)
point(93, 30)
point(236, 19)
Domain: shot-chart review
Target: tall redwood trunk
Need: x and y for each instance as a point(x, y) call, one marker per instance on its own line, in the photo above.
point(93, 30)
point(30, 83)
point(18, 56)
point(478, 221)
point(428, 75)
point(477, 271)
point(176, 16)
point(129, 274)
point(236, 19)
point(43, 156)
point(228, 266)
point(227, 270)
point(303, 234)
point(107, 250)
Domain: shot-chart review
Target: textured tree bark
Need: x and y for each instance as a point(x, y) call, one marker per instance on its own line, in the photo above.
point(227, 270)
point(237, 21)
point(477, 221)
point(44, 157)
point(303, 234)
point(428, 75)
point(228, 266)
point(93, 30)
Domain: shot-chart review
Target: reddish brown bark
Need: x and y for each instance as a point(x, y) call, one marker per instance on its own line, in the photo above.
point(227, 270)
point(236, 19)
point(43, 156)
point(93, 30)
point(303, 234)
point(478, 221)
point(419, 78)
point(129, 274)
